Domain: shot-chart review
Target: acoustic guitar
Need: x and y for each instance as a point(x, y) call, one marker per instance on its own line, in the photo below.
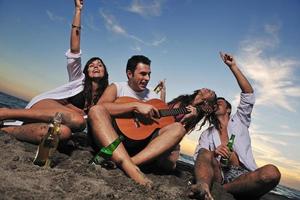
point(137, 127)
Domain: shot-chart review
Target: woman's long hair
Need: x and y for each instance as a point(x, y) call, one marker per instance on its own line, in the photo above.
point(102, 84)
point(186, 100)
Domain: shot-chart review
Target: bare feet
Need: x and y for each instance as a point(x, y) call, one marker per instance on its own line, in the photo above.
point(142, 179)
point(200, 191)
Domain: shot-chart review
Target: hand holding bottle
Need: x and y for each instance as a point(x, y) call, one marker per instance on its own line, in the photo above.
point(225, 160)
point(223, 151)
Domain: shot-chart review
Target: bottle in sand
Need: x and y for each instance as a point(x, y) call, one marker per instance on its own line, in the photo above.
point(106, 153)
point(49, 142)
point(225, 161)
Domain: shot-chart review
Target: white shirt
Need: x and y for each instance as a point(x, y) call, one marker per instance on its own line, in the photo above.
point(239, 126)
point(73, 87)
point(123, 89)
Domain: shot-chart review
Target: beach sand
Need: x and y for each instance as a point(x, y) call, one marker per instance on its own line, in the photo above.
point(73, 178)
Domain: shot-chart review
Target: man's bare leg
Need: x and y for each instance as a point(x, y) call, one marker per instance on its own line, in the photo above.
point(34, 132)
point(206, 171)
point(103, 131)
point(256, 183)
point(167, 161)
point(167, 138)
point(43, 111)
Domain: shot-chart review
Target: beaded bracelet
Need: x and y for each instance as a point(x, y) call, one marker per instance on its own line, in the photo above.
point(78, 27)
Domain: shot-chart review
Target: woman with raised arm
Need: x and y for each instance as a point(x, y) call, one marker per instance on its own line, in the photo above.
point(73, 99)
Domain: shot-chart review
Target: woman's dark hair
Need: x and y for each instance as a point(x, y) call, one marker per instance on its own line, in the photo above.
point(186, 100)
point(102, 83)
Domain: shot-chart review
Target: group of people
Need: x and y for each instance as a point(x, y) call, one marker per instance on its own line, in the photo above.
point(88, 93)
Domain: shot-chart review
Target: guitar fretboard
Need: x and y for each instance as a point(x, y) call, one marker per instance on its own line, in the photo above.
point(173, 112)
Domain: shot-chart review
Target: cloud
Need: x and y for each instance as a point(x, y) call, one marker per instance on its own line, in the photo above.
point(113, 26)
point(91, 24)
point(136, 48)
point(273, 76)
point(54, 17)
point(266, 149)
point(146, 8)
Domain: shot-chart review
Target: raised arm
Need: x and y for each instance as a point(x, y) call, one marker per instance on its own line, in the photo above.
point(241, 79)
point(76, 26)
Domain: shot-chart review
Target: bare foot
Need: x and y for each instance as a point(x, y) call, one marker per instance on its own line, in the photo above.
point(143, 180)
point(200, 191)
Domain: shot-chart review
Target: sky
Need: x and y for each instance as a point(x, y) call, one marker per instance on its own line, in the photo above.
point(183, 39)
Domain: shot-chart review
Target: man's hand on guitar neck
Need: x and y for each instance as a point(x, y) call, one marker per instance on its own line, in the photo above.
point(147, 110)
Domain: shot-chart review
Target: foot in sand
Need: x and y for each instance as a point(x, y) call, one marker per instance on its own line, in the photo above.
point(200, 191)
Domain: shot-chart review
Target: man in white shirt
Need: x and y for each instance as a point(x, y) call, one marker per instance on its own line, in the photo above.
point(100, 117)
point(240, 177)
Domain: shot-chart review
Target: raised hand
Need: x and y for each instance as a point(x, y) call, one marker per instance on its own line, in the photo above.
point(78, 4)
point(228, 59)
point(160, 86)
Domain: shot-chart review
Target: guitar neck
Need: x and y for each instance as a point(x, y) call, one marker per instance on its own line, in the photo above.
point(175, 111)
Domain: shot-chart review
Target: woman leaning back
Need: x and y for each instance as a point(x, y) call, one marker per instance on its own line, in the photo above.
point(73, 99)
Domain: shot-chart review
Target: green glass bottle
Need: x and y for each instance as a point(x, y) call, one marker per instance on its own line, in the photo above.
point(49, 143)
point(225, 161)
point(106, 153)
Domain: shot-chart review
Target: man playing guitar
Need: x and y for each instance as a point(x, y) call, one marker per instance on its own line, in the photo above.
point(132, 153)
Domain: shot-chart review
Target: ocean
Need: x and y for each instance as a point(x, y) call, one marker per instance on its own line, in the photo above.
point(9, 101)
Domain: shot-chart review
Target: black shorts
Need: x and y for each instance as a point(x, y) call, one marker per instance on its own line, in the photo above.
point(135, 146)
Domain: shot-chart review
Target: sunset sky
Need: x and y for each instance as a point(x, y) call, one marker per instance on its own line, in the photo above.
point(183, 40)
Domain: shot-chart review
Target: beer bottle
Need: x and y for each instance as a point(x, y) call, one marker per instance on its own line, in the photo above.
point(49, 142)
point(159, 86)
point(106, 153)
point(225, 161)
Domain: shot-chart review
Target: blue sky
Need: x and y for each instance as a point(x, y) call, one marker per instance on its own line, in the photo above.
point(182, 38)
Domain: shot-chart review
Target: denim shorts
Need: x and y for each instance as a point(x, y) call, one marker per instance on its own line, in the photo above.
point(232, 172)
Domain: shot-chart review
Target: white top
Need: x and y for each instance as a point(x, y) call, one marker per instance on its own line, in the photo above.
point(123, 89)
point(238, 125)
point(73, 87)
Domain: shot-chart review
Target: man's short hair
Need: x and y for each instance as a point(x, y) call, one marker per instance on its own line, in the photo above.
point(134, 60)
point(228, 105)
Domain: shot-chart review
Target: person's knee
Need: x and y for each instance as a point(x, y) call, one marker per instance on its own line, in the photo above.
point(204, 153)
point(96, 112)
point(65, 133)
point(178, 130)
point(270, 175)
point(78, 122)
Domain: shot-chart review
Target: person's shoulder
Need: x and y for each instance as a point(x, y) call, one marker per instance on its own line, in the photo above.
point(120, 83)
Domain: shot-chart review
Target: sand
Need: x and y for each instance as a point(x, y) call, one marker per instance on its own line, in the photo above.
point(73, 178)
